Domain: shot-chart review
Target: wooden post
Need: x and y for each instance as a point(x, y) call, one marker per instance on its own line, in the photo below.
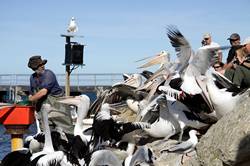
point(67, 83)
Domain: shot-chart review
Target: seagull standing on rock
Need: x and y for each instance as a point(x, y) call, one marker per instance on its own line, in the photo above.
point(185, 147)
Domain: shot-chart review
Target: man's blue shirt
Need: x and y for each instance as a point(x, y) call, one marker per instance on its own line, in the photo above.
point(46, 80)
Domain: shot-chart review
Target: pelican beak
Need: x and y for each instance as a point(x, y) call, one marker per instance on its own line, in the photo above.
point(157, 59)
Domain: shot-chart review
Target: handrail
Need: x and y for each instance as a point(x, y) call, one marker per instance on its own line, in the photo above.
point(80, 79)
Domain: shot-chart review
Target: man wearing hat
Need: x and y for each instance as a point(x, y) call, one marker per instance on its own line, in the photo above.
point(43, 81)
point(242, 71)
point(44, 89)
point(229, 67)
point(207, 42)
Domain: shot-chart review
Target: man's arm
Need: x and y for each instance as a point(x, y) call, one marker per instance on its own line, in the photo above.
point(228, 65)
point(38, 95)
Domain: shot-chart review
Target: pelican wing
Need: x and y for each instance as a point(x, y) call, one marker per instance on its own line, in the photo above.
point(104, 157)
point(54, 158)
point(204, 57)
point(182, 47)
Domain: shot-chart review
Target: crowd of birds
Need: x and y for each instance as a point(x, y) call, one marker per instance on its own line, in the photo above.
point(182, 96)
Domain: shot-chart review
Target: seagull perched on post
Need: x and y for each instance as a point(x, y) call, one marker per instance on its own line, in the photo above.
point(72, 28)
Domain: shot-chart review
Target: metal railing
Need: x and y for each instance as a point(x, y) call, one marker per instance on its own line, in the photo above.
point(102, 79)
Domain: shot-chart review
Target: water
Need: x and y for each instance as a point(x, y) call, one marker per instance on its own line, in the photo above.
point(5, 145)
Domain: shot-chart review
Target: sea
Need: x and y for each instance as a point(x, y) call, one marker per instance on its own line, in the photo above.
point(5, 144)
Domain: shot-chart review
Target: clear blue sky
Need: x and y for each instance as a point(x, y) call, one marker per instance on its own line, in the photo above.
point(116, 32)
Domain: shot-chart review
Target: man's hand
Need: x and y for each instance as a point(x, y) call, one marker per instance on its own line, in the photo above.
point(38, 95)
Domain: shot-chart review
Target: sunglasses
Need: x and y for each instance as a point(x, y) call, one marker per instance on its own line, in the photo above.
point(234, 39)
point(206, 38)
point(38, 67)
point(217, 67)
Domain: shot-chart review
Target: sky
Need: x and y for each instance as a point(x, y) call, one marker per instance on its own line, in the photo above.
point(116, 33)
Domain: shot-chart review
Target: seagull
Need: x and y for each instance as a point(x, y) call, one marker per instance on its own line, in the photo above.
point(72, 28)
point(186, 146)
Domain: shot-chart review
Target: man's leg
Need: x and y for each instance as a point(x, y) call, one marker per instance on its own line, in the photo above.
point(238, 75)
point(229, 74)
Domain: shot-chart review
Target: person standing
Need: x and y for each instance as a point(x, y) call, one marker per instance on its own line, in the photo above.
point(234, 40)
point(207, 42)
point(229, 67)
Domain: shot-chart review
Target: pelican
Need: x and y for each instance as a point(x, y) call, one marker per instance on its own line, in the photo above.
point(194, 64)
point(79, 143)
point(184, 116)
point(175, 117)
point(162, 58)
point(17, 158)
point(134, 80)
point(143, 155)
point(47, 156)
point(166, 125)
point(106, 157)
point(147, 74)
point(223, 100)
point(105, 128)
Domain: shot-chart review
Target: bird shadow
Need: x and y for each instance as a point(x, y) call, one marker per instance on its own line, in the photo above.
point(243, 153)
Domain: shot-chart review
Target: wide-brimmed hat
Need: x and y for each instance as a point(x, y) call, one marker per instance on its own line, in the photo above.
point(36, 61)
point(234, 36)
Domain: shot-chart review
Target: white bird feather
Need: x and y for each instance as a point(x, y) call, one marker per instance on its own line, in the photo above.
point(72, 27)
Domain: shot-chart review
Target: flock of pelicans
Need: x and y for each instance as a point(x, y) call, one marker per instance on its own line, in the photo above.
point(184, 95)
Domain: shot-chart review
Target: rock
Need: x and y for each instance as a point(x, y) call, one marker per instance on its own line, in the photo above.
point(228, 141)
